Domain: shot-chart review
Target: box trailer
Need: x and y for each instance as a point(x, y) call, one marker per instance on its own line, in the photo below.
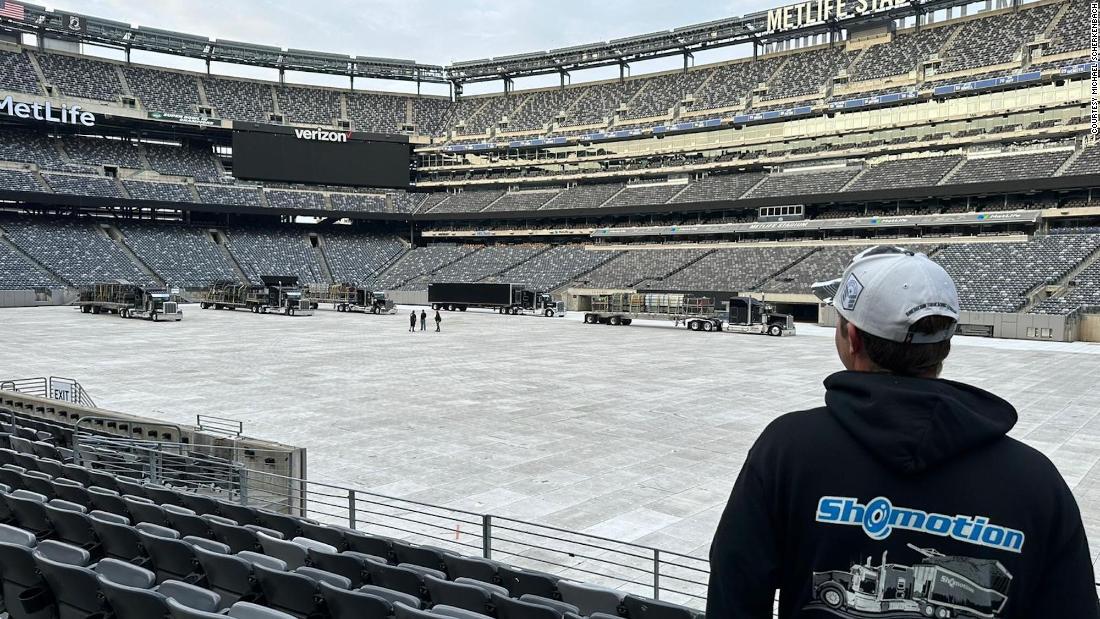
point(504, 298)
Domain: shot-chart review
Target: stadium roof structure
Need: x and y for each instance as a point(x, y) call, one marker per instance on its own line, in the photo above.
point(756, 28)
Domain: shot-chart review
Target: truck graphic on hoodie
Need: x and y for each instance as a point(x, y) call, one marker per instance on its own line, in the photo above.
point(937, 586)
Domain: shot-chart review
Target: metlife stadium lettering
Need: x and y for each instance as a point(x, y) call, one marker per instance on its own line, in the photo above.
point(879, 518)
point(320, 135)
point(46, 112)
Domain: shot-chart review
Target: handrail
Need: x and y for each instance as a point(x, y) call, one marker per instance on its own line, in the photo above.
point(634, 567)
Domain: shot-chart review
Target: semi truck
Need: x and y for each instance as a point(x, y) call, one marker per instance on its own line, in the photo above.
point(277, 294)
point(938, 586)
point(129, 301)
point(697, 313)
point(350, 298)
point(504, 298)
point(749, 315)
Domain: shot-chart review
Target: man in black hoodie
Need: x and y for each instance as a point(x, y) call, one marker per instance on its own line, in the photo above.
point(902, 496)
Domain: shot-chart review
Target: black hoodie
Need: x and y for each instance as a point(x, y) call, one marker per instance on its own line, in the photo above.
point(901, 497)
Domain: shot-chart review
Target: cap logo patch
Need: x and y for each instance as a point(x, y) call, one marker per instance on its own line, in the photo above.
point(852, 289)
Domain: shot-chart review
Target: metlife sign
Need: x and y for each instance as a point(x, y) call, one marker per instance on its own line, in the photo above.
point(814, 12)
point(320, 135)
point(47, 112)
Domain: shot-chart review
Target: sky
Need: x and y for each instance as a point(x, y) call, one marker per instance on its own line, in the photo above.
point(428, 31)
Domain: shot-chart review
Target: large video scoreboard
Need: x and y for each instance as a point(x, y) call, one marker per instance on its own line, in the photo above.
point(320, 156)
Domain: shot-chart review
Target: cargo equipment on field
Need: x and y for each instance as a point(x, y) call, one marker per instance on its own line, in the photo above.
point(350, 298)
point(278, 294)
point(938, 586)
point(504, 298)
point(749, 315)
point(129, 301)
point(622, 308)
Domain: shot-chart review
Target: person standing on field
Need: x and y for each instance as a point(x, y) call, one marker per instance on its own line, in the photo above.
point(423, 319)
point(412, 321)
point(438, 319)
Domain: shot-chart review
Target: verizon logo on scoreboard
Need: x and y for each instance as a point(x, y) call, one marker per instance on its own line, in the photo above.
point(816, 12)
point(320, 135)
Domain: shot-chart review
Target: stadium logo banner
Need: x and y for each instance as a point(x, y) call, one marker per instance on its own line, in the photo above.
point(814, 12)
point(47, 112)
point(190, 119)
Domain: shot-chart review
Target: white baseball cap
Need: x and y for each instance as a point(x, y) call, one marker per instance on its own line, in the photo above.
point(885, 290)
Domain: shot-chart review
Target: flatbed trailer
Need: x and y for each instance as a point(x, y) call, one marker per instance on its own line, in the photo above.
point(276, 295)
point(695, 313)
point(350, 298)
point(129, 301)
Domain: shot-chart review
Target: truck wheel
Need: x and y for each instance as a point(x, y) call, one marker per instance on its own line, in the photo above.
point(615, 321)
point(156, 317)
point(548, 313)
point(775, 331)
point(708, 326)
point(832, 595)
point(462, 308)
point(928, 610)
point(627, 321)
point(590, 319)
point(943, 613)
point(693, 325)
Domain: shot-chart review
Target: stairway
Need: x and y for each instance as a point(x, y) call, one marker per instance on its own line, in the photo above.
point(1033, 296)
point(115, 235)
point(676, 270)
point(221, 242)
point(322, 259)
point(786, 268)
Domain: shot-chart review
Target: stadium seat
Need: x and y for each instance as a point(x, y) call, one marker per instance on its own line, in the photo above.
point(645, 608)
point(170, 558)
point(392, 596)
point(562, 607)
point(401, 579)
point(144, 510)
point(72, 527)
point(129, 602)
point(349, 565)
point(369, 544)
point(425, 556)
point(512, 608)
point(118, 540)
point(519, 581)
point(28, 510)
point(290, 592)
point(229, 576)
point(590, 598)
point(106, 500)
point(352, 604)
point(294, 555)
point(460, 566)
point(186, 521)
point(459, 595)
point(333, 536)
point(238, 538)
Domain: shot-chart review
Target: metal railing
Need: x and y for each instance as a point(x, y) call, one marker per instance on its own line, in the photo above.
point(219, 471)
point(218, 425)
point(53, 388)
